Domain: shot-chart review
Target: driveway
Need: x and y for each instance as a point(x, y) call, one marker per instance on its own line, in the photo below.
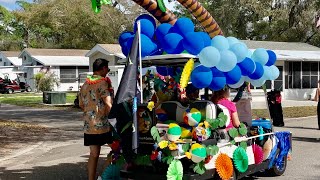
point(59, 154)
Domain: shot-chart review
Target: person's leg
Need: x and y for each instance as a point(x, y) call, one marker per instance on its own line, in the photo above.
point(93, 161)
point(318, 113)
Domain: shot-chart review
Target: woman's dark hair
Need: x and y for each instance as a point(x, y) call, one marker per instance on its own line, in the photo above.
point(99, 64)
point(217, 95)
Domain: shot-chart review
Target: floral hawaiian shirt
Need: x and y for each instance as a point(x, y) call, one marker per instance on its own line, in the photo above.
point(91, 98)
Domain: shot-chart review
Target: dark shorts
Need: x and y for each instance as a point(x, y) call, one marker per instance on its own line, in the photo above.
point(98, 139)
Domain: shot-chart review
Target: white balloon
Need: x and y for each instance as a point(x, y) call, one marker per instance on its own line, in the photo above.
point(274, 72)
point(258, 82)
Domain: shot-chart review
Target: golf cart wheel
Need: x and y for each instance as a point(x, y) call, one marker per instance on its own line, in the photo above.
point(10, 91)
point(276, 170)
point(28, 89)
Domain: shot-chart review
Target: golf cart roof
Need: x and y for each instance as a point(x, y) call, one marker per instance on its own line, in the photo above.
point(177, 60)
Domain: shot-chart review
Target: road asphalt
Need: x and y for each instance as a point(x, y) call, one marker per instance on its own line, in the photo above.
point(60, 155)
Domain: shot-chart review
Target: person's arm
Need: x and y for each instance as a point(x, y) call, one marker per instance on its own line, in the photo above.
point(316, 96)
point(235, 119)
point(108, 102)
point(80, 101)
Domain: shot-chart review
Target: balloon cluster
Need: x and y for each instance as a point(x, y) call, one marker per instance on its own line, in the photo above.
point(165, 39)
point(229, 62)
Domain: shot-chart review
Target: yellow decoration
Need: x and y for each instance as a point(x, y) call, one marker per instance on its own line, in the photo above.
point(150, 105)
point(185, 76)
point(188, 155)
point(173, 146)
point(206, 124)
point(163, 144)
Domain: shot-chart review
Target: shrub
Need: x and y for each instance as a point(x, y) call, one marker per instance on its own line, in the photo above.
point(46, 81)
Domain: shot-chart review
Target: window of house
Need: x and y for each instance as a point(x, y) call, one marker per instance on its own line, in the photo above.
point(0, 59)
point(83, 69)
point(4, 63)
point(301, 75)
point(278, 83)
point(296, 75)
point(68, 74)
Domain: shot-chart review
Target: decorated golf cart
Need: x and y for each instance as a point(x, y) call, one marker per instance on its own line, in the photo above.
point(160, 135)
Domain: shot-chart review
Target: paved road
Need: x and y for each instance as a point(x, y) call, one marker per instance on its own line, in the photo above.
point(62, 155)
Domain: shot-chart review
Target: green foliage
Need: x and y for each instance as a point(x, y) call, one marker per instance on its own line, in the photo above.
point(46, 81)
point(155, 134)
point(126, 126)
point(186, 147)
point(233, 132)
point(143, 160)
point(243, 145)
point(199, 168)
point(220, 121)
point(121, 161)
point(167, 159)
point(243, 129)
point(212, 150)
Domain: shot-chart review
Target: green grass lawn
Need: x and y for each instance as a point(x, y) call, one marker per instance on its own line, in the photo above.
point(29, 99)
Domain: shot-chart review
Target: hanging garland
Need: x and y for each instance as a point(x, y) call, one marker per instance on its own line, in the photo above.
point(175, 170)
point(224, 166)
point(240, 159)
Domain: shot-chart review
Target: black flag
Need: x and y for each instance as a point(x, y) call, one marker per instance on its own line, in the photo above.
point(127, 90)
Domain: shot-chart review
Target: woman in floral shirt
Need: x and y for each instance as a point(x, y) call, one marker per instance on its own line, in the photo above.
point(96, 101)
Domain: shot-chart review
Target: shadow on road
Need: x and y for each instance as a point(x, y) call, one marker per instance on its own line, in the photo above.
point(306, 139)
point(300, 127)
point(70, 171)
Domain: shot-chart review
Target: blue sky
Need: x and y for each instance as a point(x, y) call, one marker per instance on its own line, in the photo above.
point(10, 4)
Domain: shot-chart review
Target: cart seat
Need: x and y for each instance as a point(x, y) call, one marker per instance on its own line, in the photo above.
point(207, 109)
point(174, 110)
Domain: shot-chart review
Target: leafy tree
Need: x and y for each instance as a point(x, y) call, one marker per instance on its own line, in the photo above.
point(46, 81)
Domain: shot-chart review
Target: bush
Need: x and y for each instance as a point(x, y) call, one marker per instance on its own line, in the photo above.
point(46, 81)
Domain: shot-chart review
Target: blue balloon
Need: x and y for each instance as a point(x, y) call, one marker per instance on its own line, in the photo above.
point(249, 53)
point(247, 66)
point(125, 51)
point(193, 43)
point(165, 71)
point(258, 72)
point(240, 50)
point(201, 77)
point(260, 55)
point(218, 80)
point(162, 30)
point(232, 40)
point(228, 61)
point(172, 43)
point(209, 56)
point(145, 17)
point(206, 38)
point(274, 72)
point(272, 58)
point(147, 28)
point(258, 82)
point(237, 84)
point(233, 76)
point(220, 43)
point(182, 26)
point(127, 46)
point(124, 36)
point(147, 46)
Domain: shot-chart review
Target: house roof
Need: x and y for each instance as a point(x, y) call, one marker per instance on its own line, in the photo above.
point(290, 55)
point(54, 52)
point(15, 61)
point(294, 46)
point(11, 53)
point(110, 49)
point(62, 60)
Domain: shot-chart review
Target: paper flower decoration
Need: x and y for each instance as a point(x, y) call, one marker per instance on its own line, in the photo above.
point(224, 166)
point(258, 154)
point(175, 170)
point(173, 146)
point(111, 172)
point(240, 159)
point(150, 105)
point(188, 155)
point(185, 76)
point(163, 144)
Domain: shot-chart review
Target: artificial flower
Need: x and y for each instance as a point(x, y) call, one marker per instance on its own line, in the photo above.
point(163, 144)
point(188, 155)
point(173, 146)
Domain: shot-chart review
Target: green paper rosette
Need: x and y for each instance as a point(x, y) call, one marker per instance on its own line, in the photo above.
point(175, 170)
point(240, 159)
point(112, 172)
